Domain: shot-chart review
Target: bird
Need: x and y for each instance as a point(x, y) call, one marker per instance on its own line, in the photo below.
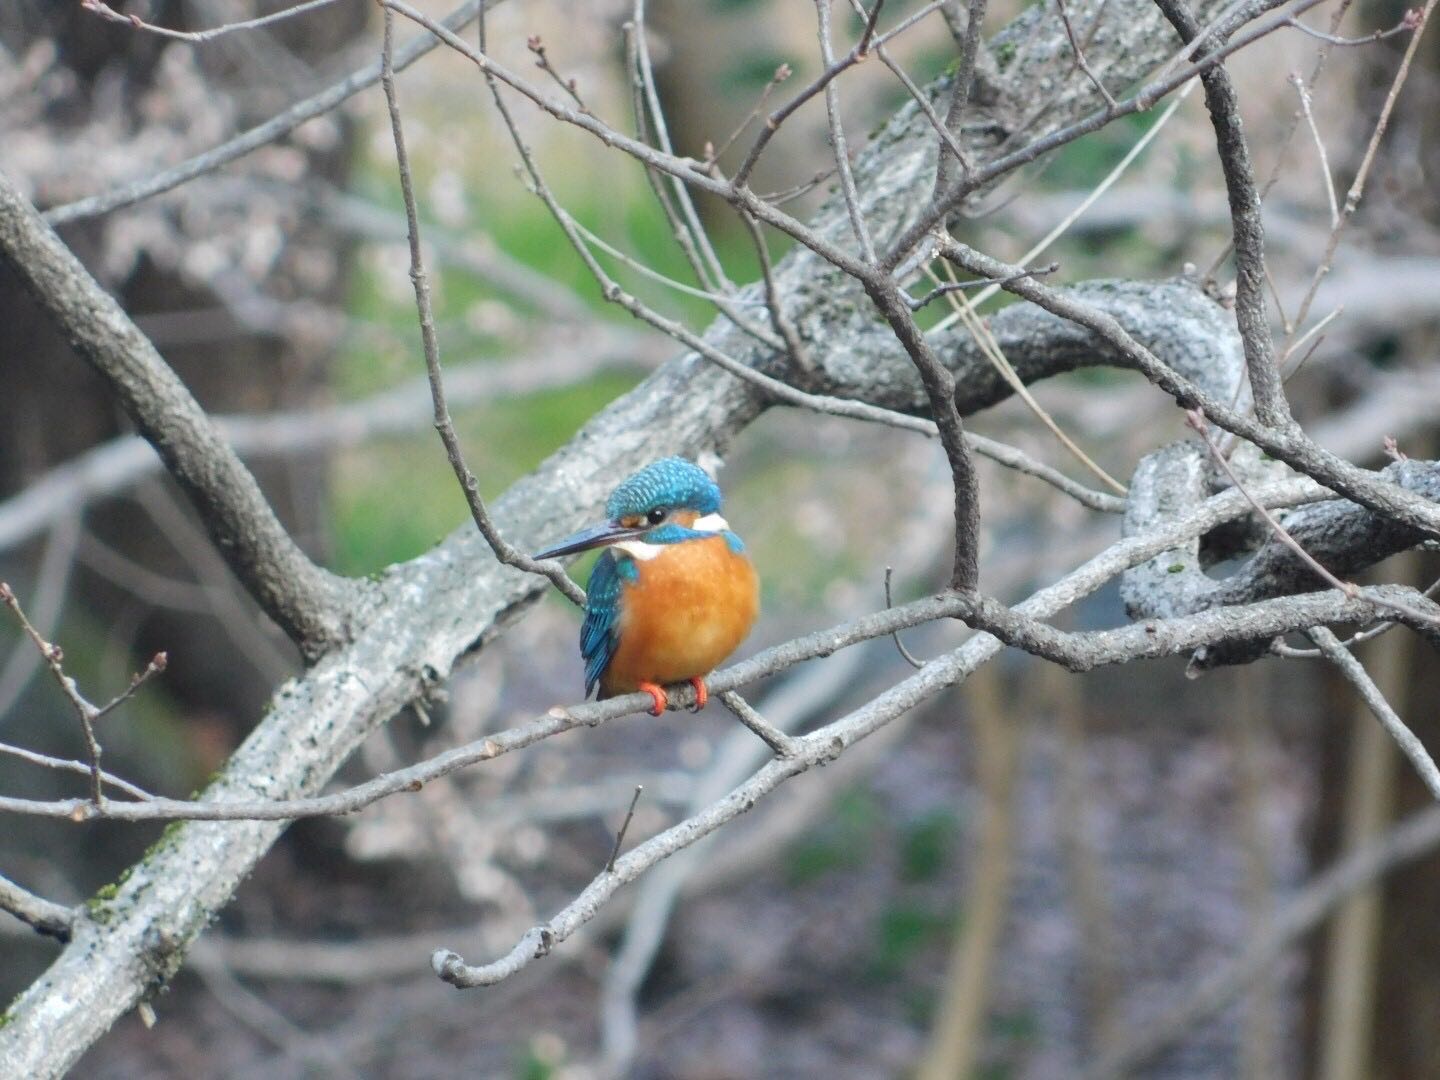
point(674, 592)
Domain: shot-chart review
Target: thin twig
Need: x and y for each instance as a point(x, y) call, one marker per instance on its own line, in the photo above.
point(157, 665)
point(1410, 22)
point(1304, 94)
point(650, 109)
point(624, 828)
point(816, 86)
point(1355, 672)
point(444, 425)
point(86, 712)
point(108, 13)
point(714, 153)
point(1367, 160)
point(1094, 196)
point(918, 302)
point(542, 61)
point(784, 326)
point(1080, 61)
point(672, 195)
point(1357, 638)
point(905, 653)
point(1312, 332)
point(837, 128)
point(718, 299)
point(71, 765)
point(990, 349)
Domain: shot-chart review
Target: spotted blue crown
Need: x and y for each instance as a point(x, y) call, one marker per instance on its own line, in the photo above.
point(670, 482)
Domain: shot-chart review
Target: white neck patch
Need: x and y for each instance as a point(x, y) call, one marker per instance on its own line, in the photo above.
point(639, 549)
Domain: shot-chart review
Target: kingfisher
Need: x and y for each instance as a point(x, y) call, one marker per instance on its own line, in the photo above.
point(673, 593)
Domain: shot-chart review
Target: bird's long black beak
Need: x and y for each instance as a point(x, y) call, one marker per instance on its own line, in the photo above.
point(602, 535)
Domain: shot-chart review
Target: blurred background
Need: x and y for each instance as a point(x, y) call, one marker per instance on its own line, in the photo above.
point(1018, 879)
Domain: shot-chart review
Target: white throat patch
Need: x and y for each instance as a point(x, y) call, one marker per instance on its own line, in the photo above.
point(639, 549)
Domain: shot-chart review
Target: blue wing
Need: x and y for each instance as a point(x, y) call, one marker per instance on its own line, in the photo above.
point(600, 632)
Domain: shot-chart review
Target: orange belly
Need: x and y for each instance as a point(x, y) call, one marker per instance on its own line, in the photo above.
point(690, 608)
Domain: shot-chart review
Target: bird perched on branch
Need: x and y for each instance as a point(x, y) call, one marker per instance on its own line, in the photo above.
point(672, 595)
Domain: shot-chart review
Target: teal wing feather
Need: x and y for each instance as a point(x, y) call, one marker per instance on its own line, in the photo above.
point(600, 632)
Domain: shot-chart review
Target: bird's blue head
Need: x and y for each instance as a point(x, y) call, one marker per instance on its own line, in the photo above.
point(666, 486)
point(658, 504)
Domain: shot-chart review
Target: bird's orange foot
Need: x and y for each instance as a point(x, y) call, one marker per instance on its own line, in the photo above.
point(702, 696)
point(657, 696)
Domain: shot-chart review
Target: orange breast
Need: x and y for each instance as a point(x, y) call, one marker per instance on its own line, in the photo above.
point(692, 605)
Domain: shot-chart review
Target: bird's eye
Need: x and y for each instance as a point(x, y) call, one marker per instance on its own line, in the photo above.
point(657, 515)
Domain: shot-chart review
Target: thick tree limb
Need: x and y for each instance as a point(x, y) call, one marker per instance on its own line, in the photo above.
point(308, 603)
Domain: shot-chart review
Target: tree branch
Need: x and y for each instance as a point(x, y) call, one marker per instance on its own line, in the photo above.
point(308, 603)
point(1248, 230)
point(44, 916)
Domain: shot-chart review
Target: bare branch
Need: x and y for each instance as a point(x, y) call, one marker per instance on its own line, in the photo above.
point(1150, 93)
point(199, 36)
point(1080, 61)
point(818, 85)
point(624, 828)
point(774, 303)
point(837, 127)
point(444, 425)
point(1290, 446)
point(1409, 23)
point(44, 916)
point(905, 654)
point(1375, 701)
point(308, 603)
point(73, 766)
point(1303, 92)
point(773, 737)
point(1248, 230)
point(1367, 160)
point(950, 156)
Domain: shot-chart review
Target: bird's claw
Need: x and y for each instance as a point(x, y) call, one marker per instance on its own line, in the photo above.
point(702, 695)
point(658, 698)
